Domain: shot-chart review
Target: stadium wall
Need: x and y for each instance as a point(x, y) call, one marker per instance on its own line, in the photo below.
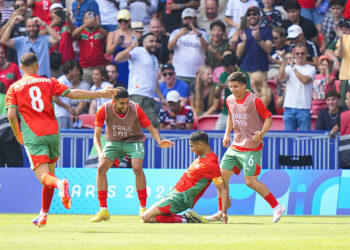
point(304, 192)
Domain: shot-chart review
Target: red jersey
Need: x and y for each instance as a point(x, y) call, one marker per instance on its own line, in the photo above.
point(198, 177)
point(263, 112)
point(91, 47)
point(10, 75)
point(32, 96)
point(101, 116)
point(41, 9)
point(65, 45)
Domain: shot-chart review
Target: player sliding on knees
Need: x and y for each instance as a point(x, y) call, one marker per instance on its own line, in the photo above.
point(32, 97)
point(191, 187)
point(124, 122)
point(246, 112)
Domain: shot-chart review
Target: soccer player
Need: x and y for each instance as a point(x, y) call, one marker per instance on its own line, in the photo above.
point(32, 97)
point(246, 112)
point(124, 122)
point(191, 187)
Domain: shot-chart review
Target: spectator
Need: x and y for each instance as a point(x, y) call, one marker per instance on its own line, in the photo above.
point(170, 83)
point(65, 108)
point(292, 7)
point(254, 44)
point(270, 17)
point(230, 65)
point(10, 150)
point(41, 8)
point(329, 117)
point(234, 12)
point(5, 11)
point(19, 28)
point(298, 94)
point(162, 53)
point(344, 152)
point(322, 84)
point(310, 10)
point(177, 116)
point(137, 26)
point(221, 9)
point(211, 15)
point(33, 42)
point(330, 21)
point(112, 71)
point(171, 13)
point(80, 7)
point(99, 78)
point(9, 72)
point(119, 40)
point(296, 36)
point(143, 74)
point(343, 51)
point(218, 44)
point(140, 10)
point(91, 40)
point(203, 99)
point(262, 91)
point(108, 9)
point(188, 40)
point(63, 25)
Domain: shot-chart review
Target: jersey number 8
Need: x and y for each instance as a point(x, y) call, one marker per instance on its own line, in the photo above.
point(37, 102)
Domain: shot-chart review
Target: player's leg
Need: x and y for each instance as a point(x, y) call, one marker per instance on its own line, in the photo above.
point(251, 161)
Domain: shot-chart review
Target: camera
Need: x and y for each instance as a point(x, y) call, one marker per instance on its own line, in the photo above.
point(186, 26)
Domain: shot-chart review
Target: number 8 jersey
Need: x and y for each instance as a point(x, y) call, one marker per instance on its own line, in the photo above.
point(33, 98)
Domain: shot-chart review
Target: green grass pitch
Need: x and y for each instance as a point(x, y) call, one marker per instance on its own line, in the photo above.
point(127, 232)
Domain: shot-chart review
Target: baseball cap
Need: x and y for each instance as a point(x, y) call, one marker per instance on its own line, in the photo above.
point(137, 26)
point(294, 31)
point(167, 66)
point(55, 6)
point(188, 12)
point(123, 14)
point(253, 9)
point(173, 96)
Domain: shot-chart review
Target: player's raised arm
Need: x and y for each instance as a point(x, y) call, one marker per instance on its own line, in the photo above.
point(85, 94)
point(158, 139)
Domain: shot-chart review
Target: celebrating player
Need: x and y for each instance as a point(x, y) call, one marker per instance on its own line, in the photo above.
point(124, 122)
point(191, 187)
point(32, 98)
point(245, 114)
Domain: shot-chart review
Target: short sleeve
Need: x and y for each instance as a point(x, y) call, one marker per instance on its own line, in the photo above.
point(261, 108)
point(59, 88)
point(143, 119)
point(11, 99)
point(100, 116)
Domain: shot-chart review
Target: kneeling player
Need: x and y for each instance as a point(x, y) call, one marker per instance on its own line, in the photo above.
point(191, 187)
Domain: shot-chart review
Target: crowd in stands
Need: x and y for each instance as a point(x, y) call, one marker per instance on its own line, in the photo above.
point(174, 56)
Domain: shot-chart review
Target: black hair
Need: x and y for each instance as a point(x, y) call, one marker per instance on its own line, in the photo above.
point(336, 2)
point(28, 59)
point(2, 87)
point(112, 64)
point(237, 77)
point(69, 65)
point(103, 72)
point(229, 60)
point(218, 23)
point(291, 5)
point(199, 136)
point(122, 93)
point(331, 93)
point(144, 37)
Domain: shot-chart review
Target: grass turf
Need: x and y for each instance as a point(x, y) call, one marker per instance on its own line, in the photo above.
point(127, 232)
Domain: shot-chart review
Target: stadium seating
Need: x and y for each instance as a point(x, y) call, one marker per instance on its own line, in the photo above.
point(87, 120)
point(277, 122)
point(207, 122)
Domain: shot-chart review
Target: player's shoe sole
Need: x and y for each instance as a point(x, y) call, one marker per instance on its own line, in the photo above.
point(102, 215)
point(64, 192)
point(277, 216)
point(40, 221)
point(194, 217)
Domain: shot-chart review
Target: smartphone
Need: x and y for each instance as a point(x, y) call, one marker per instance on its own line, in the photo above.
point(62, 14)
point(122, 37)
point(17, 7)
point(91, 15)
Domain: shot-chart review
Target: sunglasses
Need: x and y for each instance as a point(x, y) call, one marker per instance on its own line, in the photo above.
point(300, 53)
point(168, 74)
point(275, 38)
point(252, 14)
point(123, 21)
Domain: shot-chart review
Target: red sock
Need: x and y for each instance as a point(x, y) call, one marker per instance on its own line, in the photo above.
point(271, 200)
point(142, 194)
point(46, 198)
point(220, 204)
point(102, 198)
point(50, 180)
point(169, 219)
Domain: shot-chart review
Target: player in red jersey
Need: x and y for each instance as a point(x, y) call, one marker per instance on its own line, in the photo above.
point(124, 122)
point(191, 187)
point(246, 112)
point(32, 97)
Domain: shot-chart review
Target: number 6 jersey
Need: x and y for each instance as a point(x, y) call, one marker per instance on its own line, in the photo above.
point(33, 97)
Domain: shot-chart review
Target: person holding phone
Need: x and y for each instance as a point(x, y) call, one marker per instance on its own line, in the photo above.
point(41, 8)
point(80, 7)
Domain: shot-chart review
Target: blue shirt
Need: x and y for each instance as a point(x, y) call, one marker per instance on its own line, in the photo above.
point(180, 86)
point(40, 47)
point(254, 57)
point(87, 5)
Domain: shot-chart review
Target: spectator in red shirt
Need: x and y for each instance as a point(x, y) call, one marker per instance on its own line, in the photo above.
point(91, 40)
point(41, 8)
point(9, 72)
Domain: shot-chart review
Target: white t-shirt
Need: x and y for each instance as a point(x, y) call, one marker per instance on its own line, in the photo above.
point(100, 101)
point(143, 69)
point(299, 95)
point(189, 54)
point(235, 9)
point(108, 12)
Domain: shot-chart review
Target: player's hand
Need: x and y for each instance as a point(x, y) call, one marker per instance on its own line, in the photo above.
point(166, 144)
point(109, 92)
point(38, 21)
point(258, 136)
point(225, 142)
point(224, 218)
